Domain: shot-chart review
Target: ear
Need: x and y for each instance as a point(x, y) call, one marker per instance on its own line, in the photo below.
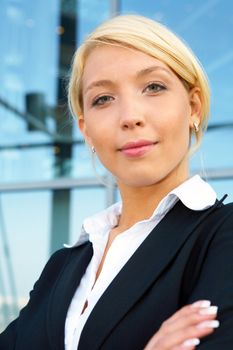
point(196, 106)
point(83, 128)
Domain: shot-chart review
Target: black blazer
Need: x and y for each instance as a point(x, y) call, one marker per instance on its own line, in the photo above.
point(148, 289)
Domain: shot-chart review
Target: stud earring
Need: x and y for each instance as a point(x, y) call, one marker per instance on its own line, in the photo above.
point(93, 149)
point(196, 127)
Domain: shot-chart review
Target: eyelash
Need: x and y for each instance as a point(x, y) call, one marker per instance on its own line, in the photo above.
point(99, 99)
point(159, 87)
point(102, 100)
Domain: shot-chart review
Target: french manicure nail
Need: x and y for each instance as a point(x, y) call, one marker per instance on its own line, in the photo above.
point(208, 324)
point(212, 310)
point(201, 303)
point(191, 342)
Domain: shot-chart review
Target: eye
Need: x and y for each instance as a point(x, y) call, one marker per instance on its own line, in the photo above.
point(102, 100)
point(154, 87)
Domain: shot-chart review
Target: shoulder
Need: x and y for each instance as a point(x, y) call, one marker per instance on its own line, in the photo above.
point(227, 209)
point(219, 215)
point(223, 216)
point(214, 233)
point(223, 224)
point(59, 259)
point(216, 236)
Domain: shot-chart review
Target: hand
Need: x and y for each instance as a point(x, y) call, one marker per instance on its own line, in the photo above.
point(184, 328)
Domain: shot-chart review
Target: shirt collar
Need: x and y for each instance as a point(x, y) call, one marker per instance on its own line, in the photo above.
point(194, 193)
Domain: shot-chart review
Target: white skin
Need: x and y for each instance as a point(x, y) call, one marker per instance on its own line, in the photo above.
point(130, 96)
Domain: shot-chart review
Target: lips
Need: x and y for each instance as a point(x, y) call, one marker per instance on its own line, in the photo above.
point(137, 148)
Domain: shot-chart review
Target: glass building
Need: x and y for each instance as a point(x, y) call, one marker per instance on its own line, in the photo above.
point(47, 183)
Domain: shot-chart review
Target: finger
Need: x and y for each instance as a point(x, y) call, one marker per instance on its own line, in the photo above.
point(185, 320)
point(177, 338)
point(189, 344)
point(186, 310)
point(195, 320)
point(183, 348)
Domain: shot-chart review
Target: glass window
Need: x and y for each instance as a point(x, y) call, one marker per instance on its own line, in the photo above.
point(24, 232)
point(223, 187)
point(28, 79)
point(40, 141)
point(96, 199)
point(91, 13)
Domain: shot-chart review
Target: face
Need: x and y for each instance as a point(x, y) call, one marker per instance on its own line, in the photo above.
point(137, 114)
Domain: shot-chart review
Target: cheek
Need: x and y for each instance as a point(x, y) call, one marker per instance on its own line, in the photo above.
point(102, 140)
point(92, 129)
point(176, 130)
point(101, 128)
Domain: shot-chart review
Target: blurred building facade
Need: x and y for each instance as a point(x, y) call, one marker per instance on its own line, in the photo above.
point(47, 182)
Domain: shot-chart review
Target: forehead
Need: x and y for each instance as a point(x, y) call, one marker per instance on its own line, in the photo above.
point(110, 60)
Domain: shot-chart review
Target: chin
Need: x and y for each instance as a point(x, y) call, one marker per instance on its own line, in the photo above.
point(139, 182)
point(152, 178)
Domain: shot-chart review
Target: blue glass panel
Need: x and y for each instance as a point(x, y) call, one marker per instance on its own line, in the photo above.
point(223, 187)
point(24, 248)
point(85, 203)
point(91, 13)
point(215, 151)
point(207, 27)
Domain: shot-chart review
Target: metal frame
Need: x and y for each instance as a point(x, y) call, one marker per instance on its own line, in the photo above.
point(69, 183)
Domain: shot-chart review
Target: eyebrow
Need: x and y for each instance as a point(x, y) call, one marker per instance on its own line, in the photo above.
point(151, 70)
point(99, 83)
point(139, 74)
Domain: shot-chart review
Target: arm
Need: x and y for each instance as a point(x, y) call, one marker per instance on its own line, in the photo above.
point(185, 328)
point(216, 284)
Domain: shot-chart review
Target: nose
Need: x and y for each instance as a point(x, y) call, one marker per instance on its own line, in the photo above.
point(131, 122)
point(131, 116)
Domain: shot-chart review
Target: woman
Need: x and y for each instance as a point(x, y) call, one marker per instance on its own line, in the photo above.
point(143, 273)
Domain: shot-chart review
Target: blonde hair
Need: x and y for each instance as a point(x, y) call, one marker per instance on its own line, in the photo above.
point(151, 38)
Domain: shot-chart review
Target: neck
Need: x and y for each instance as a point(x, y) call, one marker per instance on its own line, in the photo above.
point(139, 203)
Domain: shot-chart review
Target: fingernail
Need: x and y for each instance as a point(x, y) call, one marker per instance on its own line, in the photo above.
point(212, 310)
point(201, 303)
point(208, 324)
point(191, 342)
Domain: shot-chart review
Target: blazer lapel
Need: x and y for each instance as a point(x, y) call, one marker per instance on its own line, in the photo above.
point(148, 263)
point(63, 292)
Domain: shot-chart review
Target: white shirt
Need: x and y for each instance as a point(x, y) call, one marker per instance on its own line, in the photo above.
point(194, 193)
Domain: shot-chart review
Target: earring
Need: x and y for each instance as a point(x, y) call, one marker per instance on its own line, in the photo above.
point(93, 149)
point(196, 126)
